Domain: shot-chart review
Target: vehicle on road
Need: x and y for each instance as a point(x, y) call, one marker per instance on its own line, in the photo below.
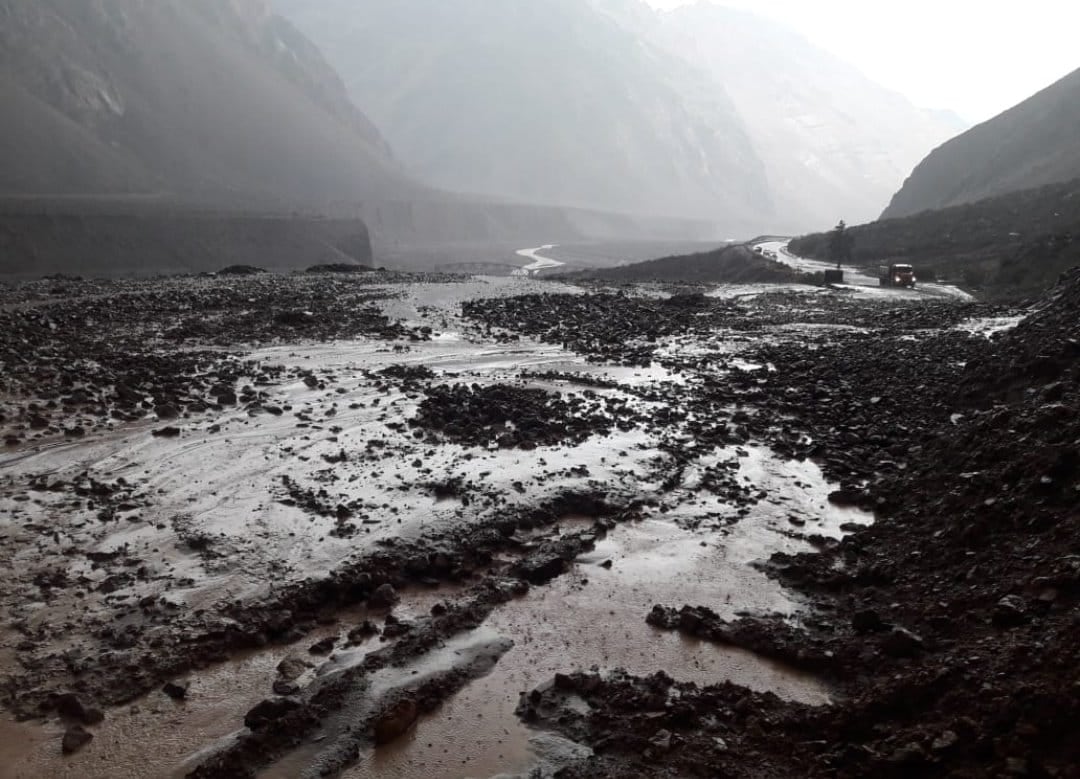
point(897, 275)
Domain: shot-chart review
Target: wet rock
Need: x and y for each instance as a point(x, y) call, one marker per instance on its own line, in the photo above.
point(1016, 766)
point(286, 688)
point(324, 647)
point(384, 597)
point(946, 741)
point(269, 711)
point(70, 706)
point(661, 741)
point(75, 738)
point(394, 627)
point(540, 569)
point(292, 668)
point(867, 621)
point(241, 270)
point(909, 754)
point(294, 318)
point(901, 642)
point(845, 497)
point(1010, 612)
point(177, 689)
point(395, 721)
point(363, 631)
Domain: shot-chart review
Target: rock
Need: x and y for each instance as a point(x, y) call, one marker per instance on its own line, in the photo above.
point(540, 569)
point(908, 754)
point(366, 630)
point(294, 318)
point(166, 432)
point(945, 741)
point(395, 721)
point(268, 711)
point(662, 617)
point(901, 642)
point(75, 738)
point(241, 270)
point(1009, 612)
point(292, 668)
point(661, 741)
point(324, 647)
point(283, 687)
point(166, 411)
point(867, 621)
point(71, 707)
point(1016, 766)
point(177, 690)
point(384, 597)
point(845, 497)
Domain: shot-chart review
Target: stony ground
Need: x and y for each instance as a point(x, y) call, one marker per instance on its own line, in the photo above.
point(948, 631)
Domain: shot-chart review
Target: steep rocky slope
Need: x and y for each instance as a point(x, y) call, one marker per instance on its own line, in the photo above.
point(1030, 145)
point(1010, 246)
point(224, 101)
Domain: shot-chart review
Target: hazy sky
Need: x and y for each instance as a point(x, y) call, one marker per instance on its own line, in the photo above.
point(977, 58)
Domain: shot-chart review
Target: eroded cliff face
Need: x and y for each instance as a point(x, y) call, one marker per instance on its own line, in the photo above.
point(290, 53)
point(190, 95)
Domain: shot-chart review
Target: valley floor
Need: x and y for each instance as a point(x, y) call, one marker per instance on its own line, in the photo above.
point(402, 525)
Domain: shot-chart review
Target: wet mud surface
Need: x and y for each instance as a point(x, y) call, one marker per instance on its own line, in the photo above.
point(381, 525)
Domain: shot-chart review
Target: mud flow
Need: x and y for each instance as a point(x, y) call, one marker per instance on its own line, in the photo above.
point(374, 539)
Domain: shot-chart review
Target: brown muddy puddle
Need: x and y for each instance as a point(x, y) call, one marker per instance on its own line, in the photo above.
point(157, 737)
point(592, 616)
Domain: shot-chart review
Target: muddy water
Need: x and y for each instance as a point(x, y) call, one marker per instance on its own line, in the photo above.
point(151, 738)
point(593, 617)
point(158, 737)
point(225, 486)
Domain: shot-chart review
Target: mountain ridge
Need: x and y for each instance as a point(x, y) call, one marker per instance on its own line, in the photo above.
point(1033, 144)
point(226, 100)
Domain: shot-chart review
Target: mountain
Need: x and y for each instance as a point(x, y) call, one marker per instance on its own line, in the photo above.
point(703, 112)
point(734, 264)
point(1007, 247)
point(217, 100)
point(542, 101)
point(835, 144)
point(1031, 145)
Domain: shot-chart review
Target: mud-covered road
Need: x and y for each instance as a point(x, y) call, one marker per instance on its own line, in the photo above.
point(383, 525)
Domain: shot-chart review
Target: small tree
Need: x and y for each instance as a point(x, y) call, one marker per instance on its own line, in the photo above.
point(841, 244)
